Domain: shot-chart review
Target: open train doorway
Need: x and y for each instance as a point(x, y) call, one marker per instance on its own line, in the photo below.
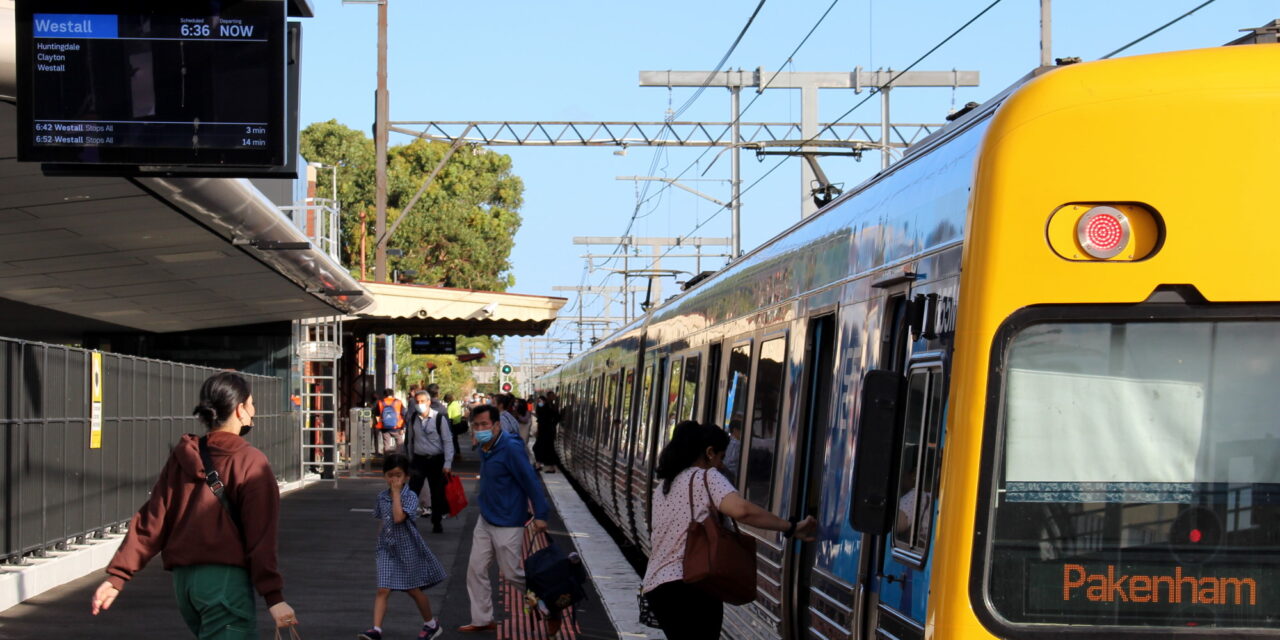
point(818, 380)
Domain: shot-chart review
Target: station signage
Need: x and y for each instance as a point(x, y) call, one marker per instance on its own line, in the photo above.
point(440, 345)
point(152, 82)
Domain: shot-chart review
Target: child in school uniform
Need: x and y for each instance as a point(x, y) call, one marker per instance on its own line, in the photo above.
point(405, 563)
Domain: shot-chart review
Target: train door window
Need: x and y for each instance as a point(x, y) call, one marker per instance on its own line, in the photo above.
point(609, 417)
point(628, 388)
point(642, 424)
point(673, 394)
point(918, 465)
point(711, 398)
point(766, 413)
point(735, 406)
point(689, 390)
point(894, 334)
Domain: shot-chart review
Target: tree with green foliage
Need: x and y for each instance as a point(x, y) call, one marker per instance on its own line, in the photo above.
point(459, 234)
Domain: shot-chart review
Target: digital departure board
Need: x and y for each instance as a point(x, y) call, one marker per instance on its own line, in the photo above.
point(152, 82)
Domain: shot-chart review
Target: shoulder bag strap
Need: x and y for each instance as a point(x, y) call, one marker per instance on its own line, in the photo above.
point(711, 503)
point(691, 512)
point(214, 480)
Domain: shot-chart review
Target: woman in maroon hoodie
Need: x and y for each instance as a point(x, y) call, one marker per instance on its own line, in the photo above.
point(217, 558)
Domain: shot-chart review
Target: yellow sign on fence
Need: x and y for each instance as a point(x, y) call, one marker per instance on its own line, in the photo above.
point(95, 387)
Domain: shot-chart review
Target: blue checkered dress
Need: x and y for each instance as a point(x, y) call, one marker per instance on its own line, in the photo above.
point(404, 560)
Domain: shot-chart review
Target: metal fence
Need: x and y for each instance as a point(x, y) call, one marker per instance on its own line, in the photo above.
point(55, 487)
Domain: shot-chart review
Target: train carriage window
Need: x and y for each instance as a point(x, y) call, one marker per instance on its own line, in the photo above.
point(917, 466)
point(689, 391)
point(673, 395)
point(735, 406)
point(766, 413)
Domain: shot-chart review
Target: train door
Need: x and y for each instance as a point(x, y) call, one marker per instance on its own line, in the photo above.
point(605, 428)
point(815, 424)
point(904, 572)
point(622, 451)
point(639, 491)
point(896, 575)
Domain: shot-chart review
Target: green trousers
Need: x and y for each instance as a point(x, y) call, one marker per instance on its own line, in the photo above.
point(216, 601)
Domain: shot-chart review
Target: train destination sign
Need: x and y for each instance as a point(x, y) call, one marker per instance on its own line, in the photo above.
point(1236, 591)
point(153, 82)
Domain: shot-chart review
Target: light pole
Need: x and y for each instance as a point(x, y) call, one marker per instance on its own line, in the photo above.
point(380, 118)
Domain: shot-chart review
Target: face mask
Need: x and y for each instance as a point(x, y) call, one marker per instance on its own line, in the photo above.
point(246, 427)
point(483, 437)
point(422, 408)
point(539, 404)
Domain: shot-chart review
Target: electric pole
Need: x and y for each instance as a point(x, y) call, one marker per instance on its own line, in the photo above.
point(381, 120)
point(809, 82)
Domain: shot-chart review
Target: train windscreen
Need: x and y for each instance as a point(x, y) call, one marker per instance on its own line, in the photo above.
point(1138, 475)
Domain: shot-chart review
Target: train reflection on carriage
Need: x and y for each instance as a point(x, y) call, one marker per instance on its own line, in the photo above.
point(1026, 378)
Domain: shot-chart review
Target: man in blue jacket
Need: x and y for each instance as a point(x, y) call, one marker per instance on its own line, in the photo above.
point(508, 484)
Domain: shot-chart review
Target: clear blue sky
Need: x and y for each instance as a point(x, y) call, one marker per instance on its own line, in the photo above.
point(579, 60)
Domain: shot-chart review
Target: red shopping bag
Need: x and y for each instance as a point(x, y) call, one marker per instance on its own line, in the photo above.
point(455, 496)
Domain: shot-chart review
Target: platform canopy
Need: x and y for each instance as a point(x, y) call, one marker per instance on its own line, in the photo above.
point(420, 310)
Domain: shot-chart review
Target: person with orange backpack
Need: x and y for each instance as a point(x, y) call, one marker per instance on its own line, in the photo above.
point(389, 415)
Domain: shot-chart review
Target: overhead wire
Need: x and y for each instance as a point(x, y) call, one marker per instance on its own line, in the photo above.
point(917, 61)
point(670, 117)
point(738, 118)
point(1160, 28)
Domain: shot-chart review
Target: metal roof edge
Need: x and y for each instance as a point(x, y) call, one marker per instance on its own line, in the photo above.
point(236, 210)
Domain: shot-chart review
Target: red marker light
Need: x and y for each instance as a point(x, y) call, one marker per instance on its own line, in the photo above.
point(1103, 232)
point(1195, 535)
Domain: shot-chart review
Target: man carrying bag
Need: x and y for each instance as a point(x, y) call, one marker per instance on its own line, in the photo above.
point(430, 455)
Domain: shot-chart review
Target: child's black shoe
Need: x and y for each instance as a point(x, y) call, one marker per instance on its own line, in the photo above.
point(430, 630)
point(371, 634)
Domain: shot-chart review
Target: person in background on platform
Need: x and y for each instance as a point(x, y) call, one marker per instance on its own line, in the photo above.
point(524, 418)
point(510, 424)
point(405, 562)
point(219, 552)
point(456, 416)
point(430, 455)
point(389, 415)
point(508, 485)
point(544, 447)
point(687, 464)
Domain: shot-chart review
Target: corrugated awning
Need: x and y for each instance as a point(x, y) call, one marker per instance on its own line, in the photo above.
point(421, 310)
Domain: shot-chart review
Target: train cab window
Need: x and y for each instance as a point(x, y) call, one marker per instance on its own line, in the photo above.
point(673, 395)
point(735, 406)
point(918, 464)
point(689, 390)
point(766, 413)
point(1136, 475)
point(610, 421)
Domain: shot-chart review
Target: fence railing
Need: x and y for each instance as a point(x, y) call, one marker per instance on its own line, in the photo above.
point(56, 488)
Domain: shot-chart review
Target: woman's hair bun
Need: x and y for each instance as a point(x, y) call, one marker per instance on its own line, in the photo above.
point(206, 413)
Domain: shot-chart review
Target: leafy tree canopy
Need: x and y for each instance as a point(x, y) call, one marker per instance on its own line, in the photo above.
point(459, 234)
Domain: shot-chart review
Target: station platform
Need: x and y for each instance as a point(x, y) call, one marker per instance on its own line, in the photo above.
point(327, 539)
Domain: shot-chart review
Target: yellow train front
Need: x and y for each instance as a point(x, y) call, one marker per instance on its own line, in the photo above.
point(1028, 379)
point(1113, 454)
